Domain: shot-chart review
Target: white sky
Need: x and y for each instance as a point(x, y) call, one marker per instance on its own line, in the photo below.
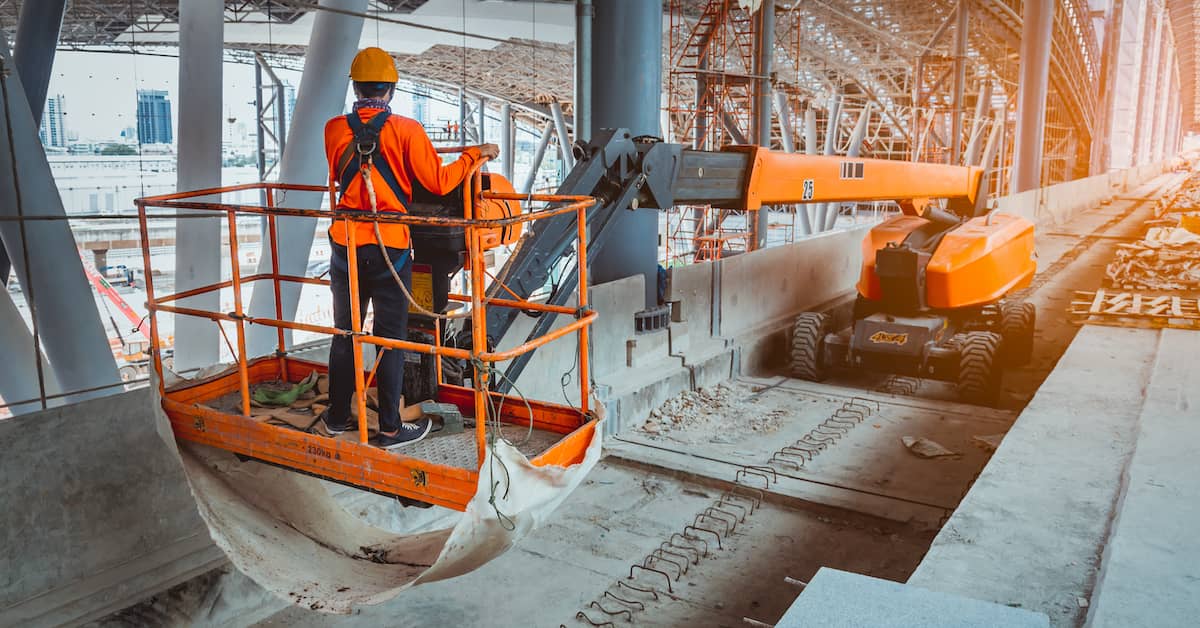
point(101, 89)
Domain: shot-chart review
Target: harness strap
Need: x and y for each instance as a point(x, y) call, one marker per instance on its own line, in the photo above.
point(350, 163)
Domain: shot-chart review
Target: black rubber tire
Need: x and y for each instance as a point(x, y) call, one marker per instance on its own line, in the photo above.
point(1018, 320)
point(978, 368)
point(808, 346)
point(128, 373)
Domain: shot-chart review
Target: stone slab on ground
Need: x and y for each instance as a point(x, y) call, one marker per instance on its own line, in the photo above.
point(838, 599)
point(1150, 574)
point(1031, 529)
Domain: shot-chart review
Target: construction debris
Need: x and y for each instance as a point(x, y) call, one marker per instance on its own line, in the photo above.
point(925, 448)
point(1168, 258)
point(988, 443)
point(718, 414)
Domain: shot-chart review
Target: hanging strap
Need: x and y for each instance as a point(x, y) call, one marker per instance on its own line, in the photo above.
point(366, 144)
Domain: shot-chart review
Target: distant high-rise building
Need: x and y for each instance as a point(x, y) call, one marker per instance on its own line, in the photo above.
point(420, 103)
point(289, 104)
point(54, 130)
point(153, 117)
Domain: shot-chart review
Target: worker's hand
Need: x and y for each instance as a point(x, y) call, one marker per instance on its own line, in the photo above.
point(489, 151)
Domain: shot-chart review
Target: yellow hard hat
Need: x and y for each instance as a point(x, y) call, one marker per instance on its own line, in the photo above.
point(373, 65)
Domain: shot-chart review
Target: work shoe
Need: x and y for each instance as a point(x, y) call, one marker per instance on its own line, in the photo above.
point(334, 430)
point(409, 433)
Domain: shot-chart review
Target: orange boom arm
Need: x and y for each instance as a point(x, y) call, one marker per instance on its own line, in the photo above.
point(776, 177)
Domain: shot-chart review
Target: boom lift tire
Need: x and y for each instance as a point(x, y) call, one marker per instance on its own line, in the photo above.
point(1018, 319)
point(808, 346)
point(978, 367)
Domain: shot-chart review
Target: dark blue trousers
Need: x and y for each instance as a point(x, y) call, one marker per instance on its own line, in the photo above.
point(376, 286)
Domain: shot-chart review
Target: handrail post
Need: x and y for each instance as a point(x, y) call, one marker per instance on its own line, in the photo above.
point(274, 244)
point(360, 393)
point(151, 303)
point(478, 340)
point(582, 303)
point(236, 276)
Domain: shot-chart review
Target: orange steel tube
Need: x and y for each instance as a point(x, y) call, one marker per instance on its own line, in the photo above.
point(155, 355)
point(274, 243)
point(581, 262)
point(270, 322)
point(437, 355)
point(478, 339)
point(360, 392)
point(243, 373)
point(555, 334)
point(384, 218)
point(245, 280)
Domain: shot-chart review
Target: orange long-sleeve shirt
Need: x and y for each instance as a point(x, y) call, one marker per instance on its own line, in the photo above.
point(410, 154)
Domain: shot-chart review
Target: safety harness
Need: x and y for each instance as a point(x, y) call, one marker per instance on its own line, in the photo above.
point(365, 153)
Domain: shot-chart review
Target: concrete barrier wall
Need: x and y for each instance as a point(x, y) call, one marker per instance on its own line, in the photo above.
point(96, 513)
point(1056, 204)
point(728, 316)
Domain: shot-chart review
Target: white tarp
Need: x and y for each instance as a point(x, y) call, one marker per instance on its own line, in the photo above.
point(286, 531)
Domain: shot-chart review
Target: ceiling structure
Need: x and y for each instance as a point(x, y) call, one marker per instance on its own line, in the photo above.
point(521, 50)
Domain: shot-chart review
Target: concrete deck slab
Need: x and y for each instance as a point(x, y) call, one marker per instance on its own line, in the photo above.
point(1030, 531)
point(1150, 572)
point(757, 417)
point(837, 599)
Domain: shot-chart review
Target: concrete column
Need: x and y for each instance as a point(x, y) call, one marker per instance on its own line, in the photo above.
point(462, 117)
point(1101, 152)
point(982, 106)
point(763, 52)
point(854, 150)
point(507, 148)
point(322, 94)
point(564, 136)
point(808, 210)
point(1166, 90)
point(1037, 29)
point(482, 121)
point(700, 133)
point(1147, 94)
point(831, 134)
point(73, 336)
point(627, 37)
point(960, 80)
point(198, 242)
point(538, 156)
point(37, 38)
point(18, 371)
point(786, 131)
point(584, 11)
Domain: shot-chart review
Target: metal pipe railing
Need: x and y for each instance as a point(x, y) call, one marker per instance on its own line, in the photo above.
point(474, 229)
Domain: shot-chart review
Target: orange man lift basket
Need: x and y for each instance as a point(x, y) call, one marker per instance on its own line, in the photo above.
point(442, 470)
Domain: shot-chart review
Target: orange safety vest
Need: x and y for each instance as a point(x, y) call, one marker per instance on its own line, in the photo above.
point(404, 155)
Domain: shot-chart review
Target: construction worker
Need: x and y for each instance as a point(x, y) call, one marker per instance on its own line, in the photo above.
point(396, 153)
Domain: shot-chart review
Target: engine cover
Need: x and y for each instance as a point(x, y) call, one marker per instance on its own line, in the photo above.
point(897, 335)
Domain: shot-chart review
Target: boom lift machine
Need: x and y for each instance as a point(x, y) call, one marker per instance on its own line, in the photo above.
point(934, 284)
